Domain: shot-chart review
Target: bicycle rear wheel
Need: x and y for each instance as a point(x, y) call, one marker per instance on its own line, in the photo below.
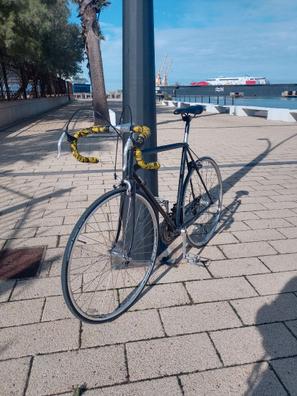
point(109, 256)
point(202, 201)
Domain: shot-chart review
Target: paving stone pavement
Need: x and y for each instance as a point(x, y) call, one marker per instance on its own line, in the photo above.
point(228, 327)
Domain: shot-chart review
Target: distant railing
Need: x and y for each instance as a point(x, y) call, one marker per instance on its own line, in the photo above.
point(218, 99)
point(14, 95)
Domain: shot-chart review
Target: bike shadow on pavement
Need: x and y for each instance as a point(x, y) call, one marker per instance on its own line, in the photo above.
point(226, 218)
point(227, 214)
point(235, 177)
point(276, 322)
point(226, 221)
point(172, 257)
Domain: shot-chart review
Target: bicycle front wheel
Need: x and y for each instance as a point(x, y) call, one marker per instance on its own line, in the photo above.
point(202, 201)
point(109, 256)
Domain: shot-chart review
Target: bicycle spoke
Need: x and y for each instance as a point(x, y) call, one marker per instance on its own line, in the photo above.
point(109, 253)
point(202, 215)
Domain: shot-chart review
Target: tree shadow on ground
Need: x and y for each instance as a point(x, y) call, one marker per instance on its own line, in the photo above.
point(31, 200)
point(58, 114)
point(19, 145)
point(277, 324)
point(35, 148)
point(28, 206)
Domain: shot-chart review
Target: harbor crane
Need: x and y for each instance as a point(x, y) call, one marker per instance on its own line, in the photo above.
point(162, 75)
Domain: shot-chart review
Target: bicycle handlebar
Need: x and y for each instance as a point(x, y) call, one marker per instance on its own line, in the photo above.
point(143, 133)
point(141, 162)
point(140, 133)
point(83, 133)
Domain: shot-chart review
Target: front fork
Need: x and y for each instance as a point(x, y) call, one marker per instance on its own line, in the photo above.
point(126, 215)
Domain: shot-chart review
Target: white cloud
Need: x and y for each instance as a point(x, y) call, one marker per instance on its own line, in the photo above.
point(112, 56)
point(199, 53)
point(219, 37)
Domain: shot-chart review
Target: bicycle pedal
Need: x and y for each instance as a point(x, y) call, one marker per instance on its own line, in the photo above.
point(168, 261)
point(194, 259)
point(164, 203)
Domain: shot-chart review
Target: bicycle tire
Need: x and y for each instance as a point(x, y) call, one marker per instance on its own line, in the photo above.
point(90, 256)
point(197, 211)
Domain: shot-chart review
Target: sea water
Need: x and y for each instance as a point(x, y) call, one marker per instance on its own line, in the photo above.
point(283, 103)
point(274, 102)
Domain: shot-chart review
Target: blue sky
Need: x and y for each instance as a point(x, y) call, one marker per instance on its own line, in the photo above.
point(211, 38)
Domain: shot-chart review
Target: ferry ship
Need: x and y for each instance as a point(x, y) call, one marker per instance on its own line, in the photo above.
point(244, 80)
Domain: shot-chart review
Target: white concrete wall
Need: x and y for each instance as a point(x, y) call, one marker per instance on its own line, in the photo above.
point(18, 110)
point(275, 114)
point(282, 115)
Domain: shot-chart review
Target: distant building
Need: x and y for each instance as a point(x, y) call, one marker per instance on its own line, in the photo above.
point(82, 91)
point(115, 94)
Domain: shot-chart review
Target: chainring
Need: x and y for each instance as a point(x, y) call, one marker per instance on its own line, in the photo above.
point(167, 236)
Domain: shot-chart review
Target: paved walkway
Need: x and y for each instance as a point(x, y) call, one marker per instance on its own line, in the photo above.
point(228, 328)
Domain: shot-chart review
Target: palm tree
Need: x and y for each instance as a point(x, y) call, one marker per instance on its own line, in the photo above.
point(88, 12)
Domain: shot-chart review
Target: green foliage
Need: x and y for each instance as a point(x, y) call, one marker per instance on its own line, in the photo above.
point(97, 4)
point(63, 43)
point(36, 35)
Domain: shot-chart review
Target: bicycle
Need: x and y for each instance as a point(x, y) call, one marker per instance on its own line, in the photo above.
point(113, 247)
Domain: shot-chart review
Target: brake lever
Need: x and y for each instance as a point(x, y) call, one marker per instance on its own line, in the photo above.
point(122, 128)
point(60, 144)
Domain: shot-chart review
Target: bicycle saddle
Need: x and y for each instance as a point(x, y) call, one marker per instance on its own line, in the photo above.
point(198, 109)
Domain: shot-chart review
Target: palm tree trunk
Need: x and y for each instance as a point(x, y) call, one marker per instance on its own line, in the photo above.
point(5, 80)
point(95, 65)
point(24, 82)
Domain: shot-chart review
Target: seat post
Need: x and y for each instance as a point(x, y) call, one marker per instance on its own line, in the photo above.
point(187, 119)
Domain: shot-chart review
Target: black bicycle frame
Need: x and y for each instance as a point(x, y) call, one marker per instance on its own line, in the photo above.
point(186, 160)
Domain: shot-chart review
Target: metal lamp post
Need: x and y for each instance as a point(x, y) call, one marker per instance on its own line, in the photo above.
point(139, 73)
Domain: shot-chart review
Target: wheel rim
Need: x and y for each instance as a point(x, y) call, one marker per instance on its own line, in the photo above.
point(200, 210)
point(107, 266)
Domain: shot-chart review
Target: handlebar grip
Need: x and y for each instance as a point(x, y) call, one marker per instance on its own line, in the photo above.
point(83, 133)
point(143, 130)
point(142, 164)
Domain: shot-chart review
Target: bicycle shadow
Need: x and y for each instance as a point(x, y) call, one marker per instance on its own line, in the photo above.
point(227, 217)
point(229, 183)
point(226, 221)
point(174, 256)
point(277, 325)
point(235, 177)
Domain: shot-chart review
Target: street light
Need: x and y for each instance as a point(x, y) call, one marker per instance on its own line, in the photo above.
point(139, 74)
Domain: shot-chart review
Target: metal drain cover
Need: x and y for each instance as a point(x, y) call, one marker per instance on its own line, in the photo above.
point(20, 263)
